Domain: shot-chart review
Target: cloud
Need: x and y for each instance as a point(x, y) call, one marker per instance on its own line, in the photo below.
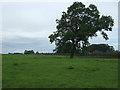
point(19, 44)
point(13, 33)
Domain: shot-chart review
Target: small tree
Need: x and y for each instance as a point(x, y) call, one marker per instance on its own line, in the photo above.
point(78, 24)
point(29, 52)
point(37, 52)
point(25, 52)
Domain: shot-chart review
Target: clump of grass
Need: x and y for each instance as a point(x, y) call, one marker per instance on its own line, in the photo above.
point(91, 69)
point(15, 64)
point(97, 60)
point(70, 67)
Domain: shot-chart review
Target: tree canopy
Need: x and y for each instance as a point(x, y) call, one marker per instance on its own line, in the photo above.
point(78, 24)
point(28, 52)
point(100, 48)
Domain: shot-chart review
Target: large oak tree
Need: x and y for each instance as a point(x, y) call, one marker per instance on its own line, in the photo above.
point(78, 24)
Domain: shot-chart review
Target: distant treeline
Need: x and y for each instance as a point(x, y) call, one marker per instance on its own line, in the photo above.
point(15, 53)
point(33, 52)
point(102, 50)
point(39, 53)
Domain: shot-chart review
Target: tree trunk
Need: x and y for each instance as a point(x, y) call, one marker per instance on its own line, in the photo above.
point(72, 54)
point(72, 50)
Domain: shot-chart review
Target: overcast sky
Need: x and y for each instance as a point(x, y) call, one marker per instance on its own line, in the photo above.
point(26, 26)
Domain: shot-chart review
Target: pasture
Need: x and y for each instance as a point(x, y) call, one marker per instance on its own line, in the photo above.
point(53, 71)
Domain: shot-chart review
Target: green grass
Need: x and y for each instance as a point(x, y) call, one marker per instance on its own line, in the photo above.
point(45, 71)
point(0, 71)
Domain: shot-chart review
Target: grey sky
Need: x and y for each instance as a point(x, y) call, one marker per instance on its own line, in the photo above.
point(27, 25)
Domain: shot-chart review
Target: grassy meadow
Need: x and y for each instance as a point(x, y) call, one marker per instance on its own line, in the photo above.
point(52, 71)
point(0, 71)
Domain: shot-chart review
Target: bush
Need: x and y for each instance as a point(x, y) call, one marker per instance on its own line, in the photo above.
point(114, 54)
point(29, 52)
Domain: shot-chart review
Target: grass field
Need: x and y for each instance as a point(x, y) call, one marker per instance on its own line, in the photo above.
point(47, 71)
point(0, 71)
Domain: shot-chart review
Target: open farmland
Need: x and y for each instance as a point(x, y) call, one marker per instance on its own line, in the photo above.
point(53, 71)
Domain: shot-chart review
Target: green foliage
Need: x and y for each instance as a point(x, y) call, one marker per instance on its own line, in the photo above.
point(78, 24)
point(111, 54)
point(47, 71)
point(37, 52)
point(100, 47)
point(100, 50)
point(28, 52)
point(65, 49)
